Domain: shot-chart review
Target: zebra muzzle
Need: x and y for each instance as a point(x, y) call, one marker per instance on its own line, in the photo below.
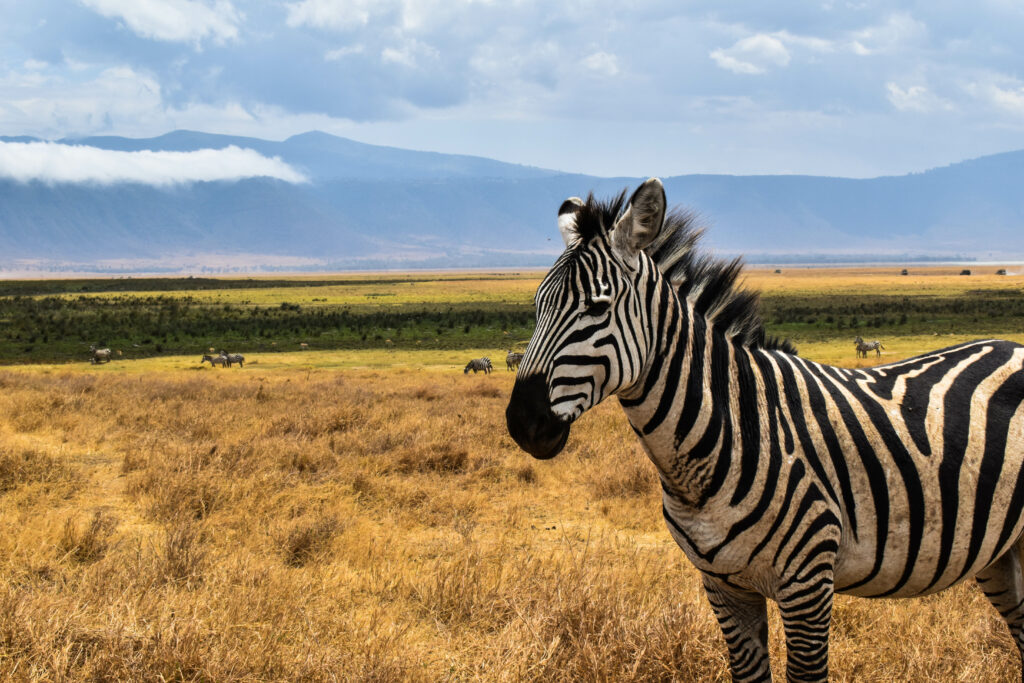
point(531, 424)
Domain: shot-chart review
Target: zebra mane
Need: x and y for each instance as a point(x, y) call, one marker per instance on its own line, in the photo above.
point(709, 283)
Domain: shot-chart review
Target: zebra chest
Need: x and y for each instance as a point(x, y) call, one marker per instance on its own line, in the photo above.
point(708, 539)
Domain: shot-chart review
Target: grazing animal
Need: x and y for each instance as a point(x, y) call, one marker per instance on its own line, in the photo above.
point(99, 355)
point(512, 360)
point(213, 360)
point(232, 358)
point(863, 347)
point(481, 364)
point(781, 478)
point(303, 346)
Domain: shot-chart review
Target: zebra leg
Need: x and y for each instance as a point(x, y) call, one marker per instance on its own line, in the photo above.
point(743, 618)
point(1003, 585)
point(806, 611)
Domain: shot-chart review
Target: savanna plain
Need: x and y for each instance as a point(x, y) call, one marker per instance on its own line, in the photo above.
point(349, 506)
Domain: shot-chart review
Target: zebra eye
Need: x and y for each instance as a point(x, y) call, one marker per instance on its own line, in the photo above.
point(599, 308)
point(596, 307)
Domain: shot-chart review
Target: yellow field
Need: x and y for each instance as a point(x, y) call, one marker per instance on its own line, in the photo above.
point(363, 515)
point(377, 290)
point(519, 286)
point(321, 517)
point(852, 281)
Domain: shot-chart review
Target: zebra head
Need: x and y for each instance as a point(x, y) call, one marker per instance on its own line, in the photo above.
point(591, 340)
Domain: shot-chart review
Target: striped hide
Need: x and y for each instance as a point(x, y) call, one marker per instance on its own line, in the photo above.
point(782, 479)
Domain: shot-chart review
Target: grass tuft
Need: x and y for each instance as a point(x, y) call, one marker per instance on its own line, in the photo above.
point(21, 466)
point(182, 554)
point(305, 541)
point(89, 543)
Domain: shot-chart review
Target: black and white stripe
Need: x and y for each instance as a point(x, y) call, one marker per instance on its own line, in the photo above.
point(513, 359)
point(232, 358)
point(782, 478)
point(213, 360)
point(97, 355)
point(863, 347)
point(479, 364)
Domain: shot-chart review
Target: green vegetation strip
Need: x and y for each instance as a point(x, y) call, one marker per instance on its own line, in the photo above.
point(981, 312)
point(50, 329)
point(58, 327)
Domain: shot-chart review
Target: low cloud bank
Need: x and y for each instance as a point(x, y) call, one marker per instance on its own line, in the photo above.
point(51, 162)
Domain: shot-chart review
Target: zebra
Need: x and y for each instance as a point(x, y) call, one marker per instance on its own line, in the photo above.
point(482, 364)
point(213, 360)
point(99, 355)
point(781, 478)
point(863, 347)
point(230, 358)
point(513, 359)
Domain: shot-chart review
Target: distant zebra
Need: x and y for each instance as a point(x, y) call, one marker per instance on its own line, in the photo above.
point(99, 355)
point(512, 360)
point(481, 364)
point(781, 478)
point(863, 347)
point(213, 360)
point(232, 358)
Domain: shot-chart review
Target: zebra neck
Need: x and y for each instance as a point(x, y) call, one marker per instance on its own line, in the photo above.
point(701, 411)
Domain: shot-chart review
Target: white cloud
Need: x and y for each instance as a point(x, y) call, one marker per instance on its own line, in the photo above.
point(181, 21)
point(56, 102)
point(331, 14)
point(757, 53)
point(898, 31)
point(1003, 92)
point(812, 43)
point(342, 52)
point(412, 16)
point(424, 15)
point(52, 162)
point(752, 55)
point(1010, 100)
point(411, 53)
point(915, 98)
point(602, 63)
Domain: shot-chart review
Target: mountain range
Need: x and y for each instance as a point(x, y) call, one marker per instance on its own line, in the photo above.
point(368, 206)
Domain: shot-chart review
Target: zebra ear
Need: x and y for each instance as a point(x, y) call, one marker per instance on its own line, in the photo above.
point(567, 214)
point(642, 220)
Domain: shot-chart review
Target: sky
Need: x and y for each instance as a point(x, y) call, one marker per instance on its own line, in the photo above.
point(643, 88)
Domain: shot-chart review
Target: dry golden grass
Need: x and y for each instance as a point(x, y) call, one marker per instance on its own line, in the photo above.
point(369, 524)
point(855, 281)
point(519, 286)
point(364, 516)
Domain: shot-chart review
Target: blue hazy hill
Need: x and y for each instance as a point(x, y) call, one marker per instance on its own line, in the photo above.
point(372, 206)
